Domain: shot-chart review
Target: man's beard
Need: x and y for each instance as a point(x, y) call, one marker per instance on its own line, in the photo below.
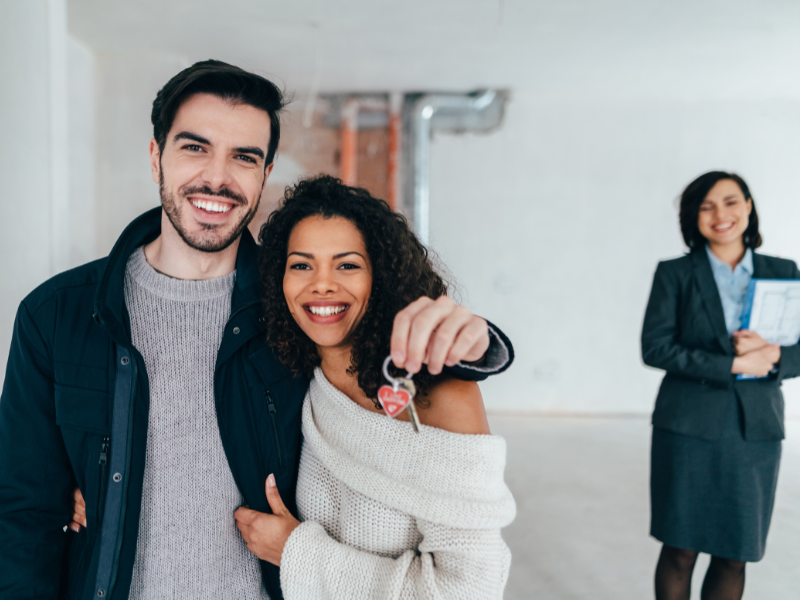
point(206, 240)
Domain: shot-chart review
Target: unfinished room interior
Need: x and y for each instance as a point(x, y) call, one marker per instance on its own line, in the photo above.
point(538, 150)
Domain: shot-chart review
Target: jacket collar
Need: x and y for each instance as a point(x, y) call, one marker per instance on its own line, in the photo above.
point(109, 301)
point(763, 267)
point(710, 295)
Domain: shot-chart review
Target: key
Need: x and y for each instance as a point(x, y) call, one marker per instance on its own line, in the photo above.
point(398, 396)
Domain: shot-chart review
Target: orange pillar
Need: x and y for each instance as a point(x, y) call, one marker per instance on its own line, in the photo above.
point(349, 142)
point(395, 104)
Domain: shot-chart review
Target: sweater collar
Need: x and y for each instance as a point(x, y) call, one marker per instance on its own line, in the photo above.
point(109, 302)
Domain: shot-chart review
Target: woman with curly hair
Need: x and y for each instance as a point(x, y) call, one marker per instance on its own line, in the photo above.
point(385, 512)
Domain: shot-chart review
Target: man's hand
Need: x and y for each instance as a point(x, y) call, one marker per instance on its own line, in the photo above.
point(437, 333)
point(758, 362)
point(78, 511)
point(266, 534)
point(745, 341)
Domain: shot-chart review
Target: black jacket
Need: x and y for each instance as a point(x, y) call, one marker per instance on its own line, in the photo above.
point(74, 411)
point(684, 333)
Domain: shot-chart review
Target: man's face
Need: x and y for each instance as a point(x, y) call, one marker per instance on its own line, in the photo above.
point(211, 172)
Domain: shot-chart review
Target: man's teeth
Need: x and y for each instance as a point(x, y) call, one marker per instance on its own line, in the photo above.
point(211, 206)
point(326, 311)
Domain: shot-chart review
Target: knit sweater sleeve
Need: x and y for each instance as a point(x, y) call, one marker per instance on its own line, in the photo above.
point(450, 563)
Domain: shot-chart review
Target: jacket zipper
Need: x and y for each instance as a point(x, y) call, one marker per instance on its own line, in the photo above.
point(103, 477)
point(273, 415)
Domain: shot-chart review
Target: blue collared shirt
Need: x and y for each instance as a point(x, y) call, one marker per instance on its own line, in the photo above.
point(732, 286)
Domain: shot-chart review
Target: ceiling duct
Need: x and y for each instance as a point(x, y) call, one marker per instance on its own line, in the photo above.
point(425, 113)
point(422, 115)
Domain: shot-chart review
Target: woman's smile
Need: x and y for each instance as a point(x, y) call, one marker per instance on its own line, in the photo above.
point(326, 312)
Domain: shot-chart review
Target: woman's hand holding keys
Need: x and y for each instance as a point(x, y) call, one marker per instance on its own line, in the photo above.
point(266, 534)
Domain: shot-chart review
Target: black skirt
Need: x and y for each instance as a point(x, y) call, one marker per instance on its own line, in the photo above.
point(714, 497)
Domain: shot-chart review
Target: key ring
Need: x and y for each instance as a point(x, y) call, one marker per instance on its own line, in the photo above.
point(399, 396)
point(388, 376)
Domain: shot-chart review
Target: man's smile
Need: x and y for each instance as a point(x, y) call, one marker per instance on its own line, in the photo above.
point(214, 206)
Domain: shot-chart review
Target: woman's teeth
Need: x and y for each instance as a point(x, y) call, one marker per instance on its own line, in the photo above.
point(326, 311)
point(211, 206)
point(724, 227)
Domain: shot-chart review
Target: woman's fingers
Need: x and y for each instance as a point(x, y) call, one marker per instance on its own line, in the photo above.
point(472, 342)
point(274, 497)
point(443, 339)
point(437, 332)
point(79, 508)
point(74, 526)
point(245, 516)
point(401, 332)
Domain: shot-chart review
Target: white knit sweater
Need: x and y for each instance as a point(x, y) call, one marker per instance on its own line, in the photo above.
point(389, 513)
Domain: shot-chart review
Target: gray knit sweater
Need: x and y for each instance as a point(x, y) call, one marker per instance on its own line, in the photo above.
point(188, 545)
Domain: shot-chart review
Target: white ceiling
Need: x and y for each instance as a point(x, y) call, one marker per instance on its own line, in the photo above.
point(678, 49)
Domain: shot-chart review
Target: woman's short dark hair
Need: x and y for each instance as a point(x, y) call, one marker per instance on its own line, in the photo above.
point(693, 196)
point(224, 81)
point(401, 273)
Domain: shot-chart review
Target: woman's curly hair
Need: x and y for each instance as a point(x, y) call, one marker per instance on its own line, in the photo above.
point(401, 273)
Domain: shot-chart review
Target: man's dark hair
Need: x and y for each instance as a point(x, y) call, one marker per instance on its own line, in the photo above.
point(693, 196)
point(401, 273)
point(224, 81)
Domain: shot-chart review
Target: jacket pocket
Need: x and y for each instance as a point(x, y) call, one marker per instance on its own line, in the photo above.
point(82, 408)
point(76, 561)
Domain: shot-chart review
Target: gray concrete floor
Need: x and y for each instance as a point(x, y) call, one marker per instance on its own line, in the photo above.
point(581, 532)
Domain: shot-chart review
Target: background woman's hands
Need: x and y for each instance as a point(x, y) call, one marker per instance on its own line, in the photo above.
point(266, 534)
point(757, 362)
point(745, 341)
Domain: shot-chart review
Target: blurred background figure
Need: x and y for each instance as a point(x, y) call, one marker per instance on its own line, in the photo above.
point(716, 437)
point(554, 134)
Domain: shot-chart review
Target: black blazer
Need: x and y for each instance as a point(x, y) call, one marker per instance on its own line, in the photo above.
point(684, 333)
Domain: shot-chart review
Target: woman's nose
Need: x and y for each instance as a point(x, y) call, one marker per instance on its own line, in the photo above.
point(325, 282)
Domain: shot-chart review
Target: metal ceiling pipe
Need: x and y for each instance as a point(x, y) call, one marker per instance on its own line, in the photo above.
point(422, 112)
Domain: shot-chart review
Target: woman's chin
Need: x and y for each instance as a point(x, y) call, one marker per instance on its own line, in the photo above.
point(326, 340)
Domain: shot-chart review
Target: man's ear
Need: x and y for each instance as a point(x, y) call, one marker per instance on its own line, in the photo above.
point(155, 161)
point(267, 173)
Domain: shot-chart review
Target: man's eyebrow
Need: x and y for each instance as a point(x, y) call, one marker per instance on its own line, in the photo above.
point(188, 135)
point(250, 150)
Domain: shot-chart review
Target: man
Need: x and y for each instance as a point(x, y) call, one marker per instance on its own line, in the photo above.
point(144, 378)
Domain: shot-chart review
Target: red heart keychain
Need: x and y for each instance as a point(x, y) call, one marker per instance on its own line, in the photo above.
point(393, 401)
point(399, 396)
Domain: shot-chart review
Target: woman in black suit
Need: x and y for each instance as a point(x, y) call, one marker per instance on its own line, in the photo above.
point(716, 440)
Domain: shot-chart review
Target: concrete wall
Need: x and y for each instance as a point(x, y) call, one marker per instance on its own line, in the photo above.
point(553, 227)
point(126, 87)
point(82, 156)
point(32, 154)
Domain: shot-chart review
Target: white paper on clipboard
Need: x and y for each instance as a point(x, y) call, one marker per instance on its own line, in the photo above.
point(772, 309)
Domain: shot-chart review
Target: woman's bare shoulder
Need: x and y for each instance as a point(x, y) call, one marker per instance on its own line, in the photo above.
point(455, 406)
